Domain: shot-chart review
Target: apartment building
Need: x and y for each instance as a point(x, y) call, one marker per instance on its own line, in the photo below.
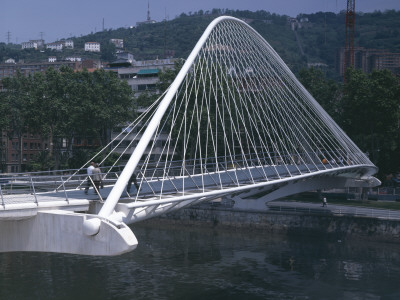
point(15, 154)
point(33, 44)
point(69, 44)
point(9, 70)
point(92, 47)
point(141, 76)
point(57, 46)
point(370, 59)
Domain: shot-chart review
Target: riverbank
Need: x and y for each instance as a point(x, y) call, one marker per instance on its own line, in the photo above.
point(305, 221)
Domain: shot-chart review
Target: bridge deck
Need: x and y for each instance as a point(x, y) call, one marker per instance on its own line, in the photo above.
point(150, 188)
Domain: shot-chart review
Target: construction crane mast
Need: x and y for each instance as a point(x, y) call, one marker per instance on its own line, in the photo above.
point(349, 40)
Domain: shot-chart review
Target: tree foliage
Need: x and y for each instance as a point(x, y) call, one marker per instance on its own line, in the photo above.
point(370, 115)
point(326, 91)
point(319, 38)
point(367, 107)
point(65, 105)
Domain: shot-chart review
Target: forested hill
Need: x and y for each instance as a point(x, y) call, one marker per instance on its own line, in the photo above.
point(319, 38)
point(317, 41)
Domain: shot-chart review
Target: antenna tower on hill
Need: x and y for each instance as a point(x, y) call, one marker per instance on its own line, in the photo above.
point(148, 11)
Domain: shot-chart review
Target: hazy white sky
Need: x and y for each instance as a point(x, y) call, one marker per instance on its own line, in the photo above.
point(27, 19)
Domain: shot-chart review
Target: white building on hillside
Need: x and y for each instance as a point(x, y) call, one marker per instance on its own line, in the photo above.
point(119, 43)
point(29, 45)
point(73, 58)
point(69, 44)
point(92, 47)
point(33, 44)
point(58, 46)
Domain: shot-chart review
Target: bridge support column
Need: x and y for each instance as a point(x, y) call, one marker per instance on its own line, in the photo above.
point(64, 232)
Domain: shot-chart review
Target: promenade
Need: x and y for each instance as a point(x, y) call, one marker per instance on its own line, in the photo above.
point(333, 209)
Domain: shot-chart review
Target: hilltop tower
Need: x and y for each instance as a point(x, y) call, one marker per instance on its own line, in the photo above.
point(148, 11)
point(148, 20)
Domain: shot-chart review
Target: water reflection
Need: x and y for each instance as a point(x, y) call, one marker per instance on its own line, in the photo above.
point(193, 263)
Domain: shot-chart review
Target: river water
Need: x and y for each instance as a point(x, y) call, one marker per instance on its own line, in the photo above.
point(179, 262)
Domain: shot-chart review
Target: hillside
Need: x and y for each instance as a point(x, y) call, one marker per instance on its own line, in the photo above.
point(316, 41)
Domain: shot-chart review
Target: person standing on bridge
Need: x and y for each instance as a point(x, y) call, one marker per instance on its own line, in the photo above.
point(97, 178)
point(134, 180)
point(89, 173)
point(324, 203)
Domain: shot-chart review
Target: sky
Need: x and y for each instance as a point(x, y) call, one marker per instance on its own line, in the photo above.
point(23, 20)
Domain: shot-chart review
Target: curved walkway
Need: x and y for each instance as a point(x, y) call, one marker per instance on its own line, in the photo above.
point(333, 209)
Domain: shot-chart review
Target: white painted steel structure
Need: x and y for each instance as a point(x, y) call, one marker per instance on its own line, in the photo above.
point(236, 107)
point(238, 124)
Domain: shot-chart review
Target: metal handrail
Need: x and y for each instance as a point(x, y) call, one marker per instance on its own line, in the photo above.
point(1, 194)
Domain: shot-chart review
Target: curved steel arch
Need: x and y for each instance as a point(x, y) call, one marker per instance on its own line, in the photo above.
point(366, 169)
point(118, 189)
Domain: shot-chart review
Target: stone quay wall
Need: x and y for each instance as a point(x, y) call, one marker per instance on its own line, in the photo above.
point(340, 227)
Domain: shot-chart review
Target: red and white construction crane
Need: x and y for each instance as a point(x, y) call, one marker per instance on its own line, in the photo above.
point(349, 40)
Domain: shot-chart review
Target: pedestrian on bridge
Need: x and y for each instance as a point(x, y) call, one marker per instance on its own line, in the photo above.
point(97, 178)
point(89, 173)
point(134, 180)
point(324, 203)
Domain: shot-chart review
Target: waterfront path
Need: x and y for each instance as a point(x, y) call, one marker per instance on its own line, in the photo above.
point(333, 209)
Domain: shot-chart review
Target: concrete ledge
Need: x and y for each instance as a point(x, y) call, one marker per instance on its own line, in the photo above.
point(61, 231)
point(19, 211)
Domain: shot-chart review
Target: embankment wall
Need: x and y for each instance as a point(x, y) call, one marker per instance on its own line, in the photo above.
point(340, 227)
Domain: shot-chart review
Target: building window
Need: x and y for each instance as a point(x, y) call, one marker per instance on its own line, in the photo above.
point(145, 87)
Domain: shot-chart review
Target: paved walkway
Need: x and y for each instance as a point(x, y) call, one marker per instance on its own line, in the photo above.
point(333, 209)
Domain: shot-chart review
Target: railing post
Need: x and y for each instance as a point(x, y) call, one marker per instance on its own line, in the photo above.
point(33, 188)
point(65, 191)
point(1, 194)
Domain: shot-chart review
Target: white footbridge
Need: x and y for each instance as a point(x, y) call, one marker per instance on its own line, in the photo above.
point(235, 123)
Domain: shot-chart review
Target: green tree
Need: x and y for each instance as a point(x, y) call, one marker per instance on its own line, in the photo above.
point(107, 51)
point(68, 104)
point(48, 107)
point(15, 109)
point(112, 103)
point(325, 91)
point(370, 115)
